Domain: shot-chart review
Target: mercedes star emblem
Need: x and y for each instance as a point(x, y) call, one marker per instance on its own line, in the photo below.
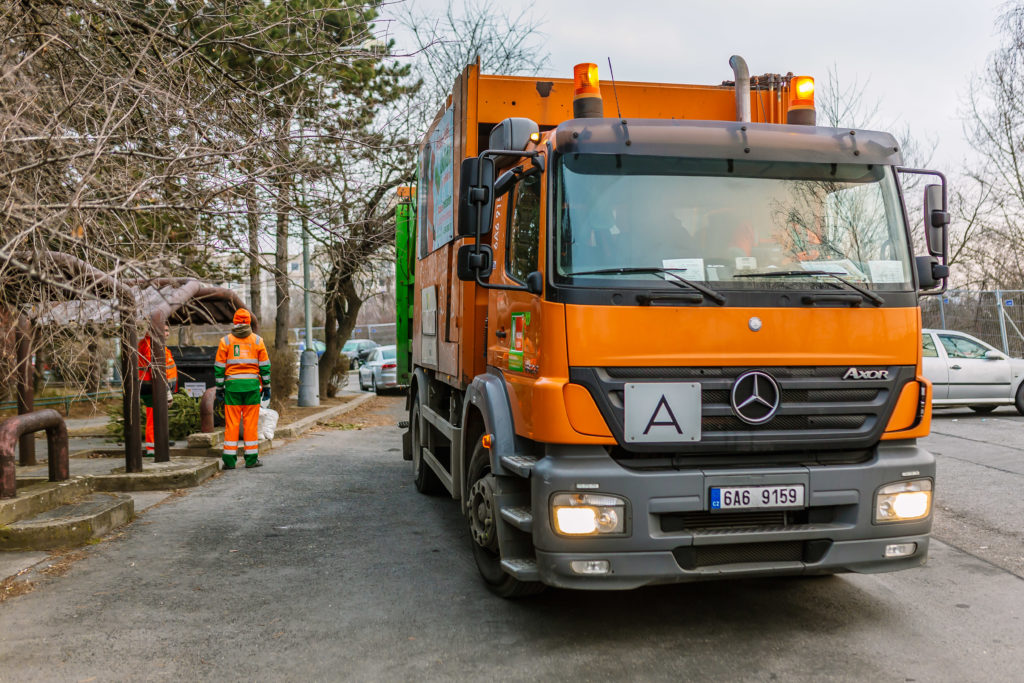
point(755, 397)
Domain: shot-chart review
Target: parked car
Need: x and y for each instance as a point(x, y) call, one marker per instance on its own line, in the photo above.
point(379, 372)
point(965, 371)
point(318, 346)
point(358, 350)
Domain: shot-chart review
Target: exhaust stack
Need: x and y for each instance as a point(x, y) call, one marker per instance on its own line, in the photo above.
point(741, 76)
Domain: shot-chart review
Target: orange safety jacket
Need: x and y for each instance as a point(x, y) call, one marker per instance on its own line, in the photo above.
point(146, 364)
point(239, 359)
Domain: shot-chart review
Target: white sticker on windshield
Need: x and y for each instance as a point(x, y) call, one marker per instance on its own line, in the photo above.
point(842, 267)
point(886, 271)
point(746, 263)
point(690, 268)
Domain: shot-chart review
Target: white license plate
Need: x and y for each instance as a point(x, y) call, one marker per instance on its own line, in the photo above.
point(757, 497)
point(662, 412)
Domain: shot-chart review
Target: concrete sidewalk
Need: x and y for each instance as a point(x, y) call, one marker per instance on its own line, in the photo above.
point(107, 471)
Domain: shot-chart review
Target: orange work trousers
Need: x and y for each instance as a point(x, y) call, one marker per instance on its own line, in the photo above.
point(149, 442)
point(248, 417)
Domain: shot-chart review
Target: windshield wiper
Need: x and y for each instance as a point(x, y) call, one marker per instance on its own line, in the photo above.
point(866, 293)
point(680, 280)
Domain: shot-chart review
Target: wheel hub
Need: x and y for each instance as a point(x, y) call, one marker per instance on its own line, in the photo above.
point(481, 512)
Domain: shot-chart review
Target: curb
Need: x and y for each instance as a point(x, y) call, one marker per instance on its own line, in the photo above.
point(305, 424)
point(211, 440)
point(190, 474)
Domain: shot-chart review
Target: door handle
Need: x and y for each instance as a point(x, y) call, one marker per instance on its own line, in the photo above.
point(955, 367)
point(500, 334)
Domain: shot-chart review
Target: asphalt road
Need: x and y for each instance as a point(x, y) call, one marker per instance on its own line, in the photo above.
point(327, 565)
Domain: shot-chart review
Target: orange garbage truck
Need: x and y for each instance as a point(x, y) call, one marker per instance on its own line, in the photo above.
point(662, 333)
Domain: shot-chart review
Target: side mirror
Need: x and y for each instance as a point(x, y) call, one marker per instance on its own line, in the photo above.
point(535, 282)
point(994, 355)
point(469, 262)
point(476, 196)
point(936, 218)
point(930, 273)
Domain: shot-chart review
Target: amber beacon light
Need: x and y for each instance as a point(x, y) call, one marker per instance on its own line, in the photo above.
point(801, 101)
point(586, 100)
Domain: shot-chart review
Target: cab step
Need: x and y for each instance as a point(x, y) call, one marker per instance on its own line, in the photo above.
point(519, 517)
point(519, 464)
point(522, 569)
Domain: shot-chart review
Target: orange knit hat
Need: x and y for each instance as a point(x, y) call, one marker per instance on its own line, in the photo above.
point(242, 317)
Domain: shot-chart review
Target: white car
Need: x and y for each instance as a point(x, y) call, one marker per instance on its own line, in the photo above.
point(965, 371)
point(379, 372)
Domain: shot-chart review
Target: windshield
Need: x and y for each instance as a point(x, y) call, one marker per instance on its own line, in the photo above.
point(728, 223)
point(388, 352)
point(350, 346)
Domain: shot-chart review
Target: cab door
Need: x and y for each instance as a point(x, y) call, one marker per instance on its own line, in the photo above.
point(514, 316)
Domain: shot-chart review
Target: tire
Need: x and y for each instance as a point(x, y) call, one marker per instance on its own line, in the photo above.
point(362, 387)
point(983, 410)
point(425, 479)
point(1019, 400)
point(373, 385)
point(482, 517)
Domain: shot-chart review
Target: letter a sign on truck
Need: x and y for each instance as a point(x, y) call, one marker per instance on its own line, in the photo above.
point(662, 412)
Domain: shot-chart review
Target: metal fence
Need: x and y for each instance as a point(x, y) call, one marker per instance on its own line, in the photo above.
point(996, 317)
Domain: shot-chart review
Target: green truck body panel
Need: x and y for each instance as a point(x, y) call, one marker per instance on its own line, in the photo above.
point(405, 253)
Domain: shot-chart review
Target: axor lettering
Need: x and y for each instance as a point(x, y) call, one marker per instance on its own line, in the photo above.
point(854, 373)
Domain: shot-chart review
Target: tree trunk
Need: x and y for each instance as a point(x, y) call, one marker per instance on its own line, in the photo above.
point(253, 219)
point(342, 304)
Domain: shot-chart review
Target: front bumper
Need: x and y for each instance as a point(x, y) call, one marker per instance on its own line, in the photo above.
point(672, 537)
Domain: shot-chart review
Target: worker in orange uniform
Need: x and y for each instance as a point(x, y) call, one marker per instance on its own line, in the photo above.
point(146, 375)
point(242, 369)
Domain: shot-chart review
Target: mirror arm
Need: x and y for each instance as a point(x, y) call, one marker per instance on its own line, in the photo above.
point(479, 183)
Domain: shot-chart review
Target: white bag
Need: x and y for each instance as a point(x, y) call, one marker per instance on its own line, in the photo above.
point(267, 423)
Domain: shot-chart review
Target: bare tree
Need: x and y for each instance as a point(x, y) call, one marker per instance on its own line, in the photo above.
point(994, 124)
point(125, 124)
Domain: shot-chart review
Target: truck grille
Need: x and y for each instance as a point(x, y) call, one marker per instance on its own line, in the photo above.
point(818, 409)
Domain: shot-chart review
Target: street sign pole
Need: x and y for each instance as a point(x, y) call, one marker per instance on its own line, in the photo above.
point(309, 385)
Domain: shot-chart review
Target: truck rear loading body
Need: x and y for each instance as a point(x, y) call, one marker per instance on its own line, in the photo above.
point(686, 347)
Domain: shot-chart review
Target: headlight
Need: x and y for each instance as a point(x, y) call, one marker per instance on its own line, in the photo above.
point(903, 501)
point(587, 514)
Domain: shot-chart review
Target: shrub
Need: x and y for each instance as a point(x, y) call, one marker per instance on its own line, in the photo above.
point(284, 376)
point(182, 419)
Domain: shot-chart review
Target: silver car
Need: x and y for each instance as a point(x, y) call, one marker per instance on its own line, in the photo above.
point(965, 371)
point(379, 372)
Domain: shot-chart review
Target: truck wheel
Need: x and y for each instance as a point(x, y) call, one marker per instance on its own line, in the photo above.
point(482, 513)
point(982, 410)
point(1019, 401)
point(425, 478)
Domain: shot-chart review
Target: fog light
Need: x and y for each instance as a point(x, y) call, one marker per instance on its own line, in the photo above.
point(590, 567)
point(900, 549)
point(903, 501)
point(587, 514)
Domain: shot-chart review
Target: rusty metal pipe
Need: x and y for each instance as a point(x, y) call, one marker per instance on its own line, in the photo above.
point(206, 410)
point(12, 429)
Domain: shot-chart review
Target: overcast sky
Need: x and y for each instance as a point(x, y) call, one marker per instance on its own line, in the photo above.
point(914, 56)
